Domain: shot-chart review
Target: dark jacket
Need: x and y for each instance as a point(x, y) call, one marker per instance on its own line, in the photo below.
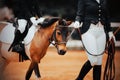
point(90, 11)
point(24, 9)
point(2, 3)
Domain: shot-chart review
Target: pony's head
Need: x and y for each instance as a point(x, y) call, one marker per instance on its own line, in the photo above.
point(60, 35)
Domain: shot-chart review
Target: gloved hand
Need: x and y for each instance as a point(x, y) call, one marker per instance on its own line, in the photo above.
point(77, 24)
point(40, 20)
point(111, 35)
point(34, 21)
point(37, 21)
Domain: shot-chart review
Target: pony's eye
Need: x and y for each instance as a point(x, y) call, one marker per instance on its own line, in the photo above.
point(59, 33)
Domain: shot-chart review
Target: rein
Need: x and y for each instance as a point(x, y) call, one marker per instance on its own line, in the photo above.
point(70, 34)
point(84, 46)
point(109, 72)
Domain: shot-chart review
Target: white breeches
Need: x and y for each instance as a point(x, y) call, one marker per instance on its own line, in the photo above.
point(94, 41)
point(22, 24)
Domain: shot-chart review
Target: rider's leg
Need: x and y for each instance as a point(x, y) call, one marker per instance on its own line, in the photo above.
point(101, 41)
point(97, 40)
point(85, 69)
point(18, 33)
point(97, 72)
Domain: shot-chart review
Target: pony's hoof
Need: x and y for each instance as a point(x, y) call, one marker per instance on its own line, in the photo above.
point(38, 78)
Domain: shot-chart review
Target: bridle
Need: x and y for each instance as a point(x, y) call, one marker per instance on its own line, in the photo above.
point(53, 39)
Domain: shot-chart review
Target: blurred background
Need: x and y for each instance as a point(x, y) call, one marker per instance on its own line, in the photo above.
point(67, 8)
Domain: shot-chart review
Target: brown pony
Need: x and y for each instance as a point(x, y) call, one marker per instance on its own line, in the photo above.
point(54, 30)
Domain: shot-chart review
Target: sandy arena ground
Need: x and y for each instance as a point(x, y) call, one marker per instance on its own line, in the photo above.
point(56, 67)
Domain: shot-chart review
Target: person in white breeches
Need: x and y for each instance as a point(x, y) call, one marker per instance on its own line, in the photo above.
point(94, 41)
point(94, 17)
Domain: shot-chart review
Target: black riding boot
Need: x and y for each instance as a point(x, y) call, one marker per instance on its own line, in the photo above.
point(16, 40)
point(17, 45)
point(85, 69)
point(97, 72)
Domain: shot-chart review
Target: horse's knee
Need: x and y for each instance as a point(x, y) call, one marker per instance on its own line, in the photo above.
point(35, 59)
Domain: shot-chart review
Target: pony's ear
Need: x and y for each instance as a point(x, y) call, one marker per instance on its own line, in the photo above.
point(64, 22)
point(68, 22)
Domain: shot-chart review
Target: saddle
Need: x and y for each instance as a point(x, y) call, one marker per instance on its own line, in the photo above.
point(17, 45)
point(7, 35)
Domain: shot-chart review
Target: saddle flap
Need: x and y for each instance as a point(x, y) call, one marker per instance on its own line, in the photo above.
point(8, 33)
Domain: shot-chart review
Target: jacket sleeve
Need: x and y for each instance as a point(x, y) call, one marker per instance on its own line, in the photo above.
point(109, 28)
point(80, 11)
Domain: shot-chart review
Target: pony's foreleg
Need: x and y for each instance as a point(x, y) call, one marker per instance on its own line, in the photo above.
point(30, 70)
point(36, 70)
point(3, 65)
point(33, 66)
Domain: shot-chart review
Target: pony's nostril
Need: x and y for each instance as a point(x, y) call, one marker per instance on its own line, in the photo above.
point(62, 52)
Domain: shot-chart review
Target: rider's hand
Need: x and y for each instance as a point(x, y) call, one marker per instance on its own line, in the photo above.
point(77, 24)
point(40, 20)
point(33, 20)
point(111, 35)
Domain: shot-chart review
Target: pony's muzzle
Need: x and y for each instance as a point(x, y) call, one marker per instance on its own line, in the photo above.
point(61, 49)
point(62, 52)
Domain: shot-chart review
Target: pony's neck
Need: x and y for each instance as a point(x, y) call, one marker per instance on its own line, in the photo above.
point(49, 31)
point(44, 35)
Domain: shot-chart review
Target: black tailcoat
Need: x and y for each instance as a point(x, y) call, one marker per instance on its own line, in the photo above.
point(90, 11)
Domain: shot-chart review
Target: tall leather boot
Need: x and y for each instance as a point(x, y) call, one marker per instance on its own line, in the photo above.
point(85, 69)
point(97, 72)
point(17, 45)
point(16, 39)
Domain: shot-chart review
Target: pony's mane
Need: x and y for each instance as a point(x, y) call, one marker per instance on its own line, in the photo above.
point(49, 22)
point(62, 22)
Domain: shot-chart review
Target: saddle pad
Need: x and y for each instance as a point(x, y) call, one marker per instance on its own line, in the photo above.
point(7, 34)
point(30, 34)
